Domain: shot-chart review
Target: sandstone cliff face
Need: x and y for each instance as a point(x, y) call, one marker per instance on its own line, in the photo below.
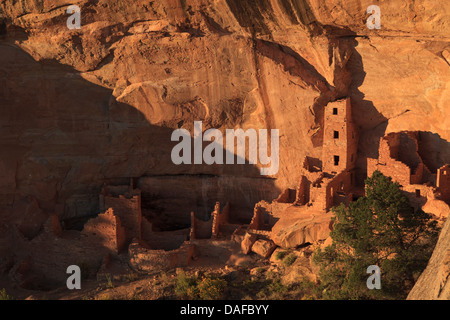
point(434, 282)
point(80, 107)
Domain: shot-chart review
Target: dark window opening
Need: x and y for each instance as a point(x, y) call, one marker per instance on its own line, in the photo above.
point(336, 134)
point(417, 193)
point(335, 111)
point(3, 29)
point(336, 160)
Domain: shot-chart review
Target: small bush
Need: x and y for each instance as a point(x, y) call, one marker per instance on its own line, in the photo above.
point(272, 289)
point(289, 260)
point(131, 277)
point(109, 283)
point(208, 288)
point(260, 270)
point(277, 287)
point(211, 289)
point(280, 255)
point(186, 287)
point(4, 295)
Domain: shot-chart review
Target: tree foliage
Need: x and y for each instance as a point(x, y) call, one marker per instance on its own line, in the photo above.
point(380, 229)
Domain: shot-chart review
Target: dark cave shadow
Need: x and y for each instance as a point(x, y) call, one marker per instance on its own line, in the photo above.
point(370, 122)
point(433, 150)
point(63, 137)
point(81, 132)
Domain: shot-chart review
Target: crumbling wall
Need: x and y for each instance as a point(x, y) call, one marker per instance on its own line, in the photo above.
point(338, 189)
point(419, 194)
point(192, 233)
point(302, 195)
point(257, 222)
point(225, 215)
point(417, 174)
point(106, 230)
point(287, 196)
point(220, 219)
point(443, 183)
point(387, 165)
point(318, 195)
point(408, 149)
point(398, 171)
point(272, 212)
point(312, 164)
point(148, 260)
point(128, 208)
point(216, 220)
point(399, 158)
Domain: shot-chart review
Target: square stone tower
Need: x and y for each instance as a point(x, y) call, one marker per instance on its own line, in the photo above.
point(340, 141)
point(443, 182)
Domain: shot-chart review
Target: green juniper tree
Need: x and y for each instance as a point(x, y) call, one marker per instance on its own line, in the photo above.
point(380, 229)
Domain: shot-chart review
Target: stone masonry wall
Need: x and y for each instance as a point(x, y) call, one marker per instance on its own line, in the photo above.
point(129, 211)
point(107, 230)
point(340, 137)
point(443, 183)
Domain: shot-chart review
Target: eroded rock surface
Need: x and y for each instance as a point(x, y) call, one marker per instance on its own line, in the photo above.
point(434, 282)
point(79, 108)
point(300, 226)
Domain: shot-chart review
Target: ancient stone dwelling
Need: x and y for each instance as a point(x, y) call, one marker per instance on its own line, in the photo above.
point(323, 184)
point(443, 183)
point(125, 201)
point(122, 233)
point(400, 158)
point(326, 184)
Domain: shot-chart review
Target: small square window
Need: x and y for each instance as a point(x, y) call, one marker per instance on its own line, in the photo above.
point(336, 160)
point(335, 111)
point(336, 134)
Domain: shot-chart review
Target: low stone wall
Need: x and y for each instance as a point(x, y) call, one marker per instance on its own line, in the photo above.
point(144, 259)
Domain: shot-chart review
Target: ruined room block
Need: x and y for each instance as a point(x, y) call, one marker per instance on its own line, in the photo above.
point(107, 230)
point(258, 220)
point(127, 206)
point(148, 260)
point(302, 196)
